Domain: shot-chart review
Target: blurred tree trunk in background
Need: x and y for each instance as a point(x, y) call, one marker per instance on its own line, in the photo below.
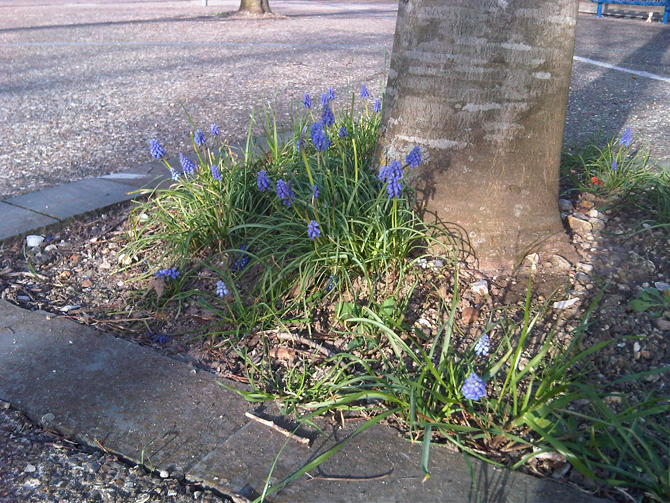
point(255, 6)
point(482, 87)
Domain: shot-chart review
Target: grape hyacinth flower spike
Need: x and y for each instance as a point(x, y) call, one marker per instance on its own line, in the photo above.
point(626, 138)
point(242, 260)
point(306, 101)
point(216, 174)
point(343, 132)
point(285, 192)
point(328, 117)
point(221, 289)
point(156, 150)
point(263, 181)
point(318, 136)
point(187, 165)
point(474, 387)
point(414, 157)
point(313, 230)
point(199, 137)
point(324, 99)
point(614, 165)
point(331, 94)
point(392, 174)
point(377, 107)
point(483, 345)
point(214, 130)
point(315, 191)
point(175, 174)
point(364, 92)
point(167, 274)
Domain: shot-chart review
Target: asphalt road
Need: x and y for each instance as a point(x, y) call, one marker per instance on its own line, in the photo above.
point(85, 84)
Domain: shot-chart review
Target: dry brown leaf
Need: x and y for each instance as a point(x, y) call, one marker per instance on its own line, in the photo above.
point(469, 315)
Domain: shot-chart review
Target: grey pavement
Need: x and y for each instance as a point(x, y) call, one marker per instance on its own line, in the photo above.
point(107, 392)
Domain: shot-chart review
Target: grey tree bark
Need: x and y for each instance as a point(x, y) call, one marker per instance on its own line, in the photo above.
point(255, 6)
point(482, 87)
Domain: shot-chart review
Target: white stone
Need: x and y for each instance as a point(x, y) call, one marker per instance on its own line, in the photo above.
point(480, 287)
point(564, 304)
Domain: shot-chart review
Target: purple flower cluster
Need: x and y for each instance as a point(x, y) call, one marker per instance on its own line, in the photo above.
point(343, 132)
point(214, 130)
point(263, 181)
point(156, 150)
point(474, 387)
point(313, 230)
point(392, 174)
point(158, 337)
point(414, 157)
point(315, 191)
point(307, 101)
point(199, 137)
point(242, 260)
point(187, 165)
point(483, 345)
point(324, 99)
point(221, 289)
point(377, 107)
point(331, 94)
point(319, 137)
point(174, 174)
point(627, 137)
point(216, 174)
point(327, 117)
point(614, 164)
point(285, 192)
point(364, 92)
point(167, 274)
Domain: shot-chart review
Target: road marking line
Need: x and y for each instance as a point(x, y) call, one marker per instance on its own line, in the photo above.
point(619, 68)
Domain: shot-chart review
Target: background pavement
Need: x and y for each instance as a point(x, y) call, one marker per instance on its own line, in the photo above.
point(84, 84)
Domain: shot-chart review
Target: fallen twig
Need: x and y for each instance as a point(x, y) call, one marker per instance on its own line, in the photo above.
point(279, 429)
point(285, 336)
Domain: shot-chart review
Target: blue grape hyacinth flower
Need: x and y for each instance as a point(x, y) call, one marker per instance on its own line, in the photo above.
point(285, 192)
point(315, 191)
point(221, 289)
point(626, 138)
point(187, 165)
point(343, 132)
point(328, 117)
point(324, 99)
point(214, 130)
point(483, 345)
point(158, 337)
point(313, 230)
point(174, 174)
point(331, 94)
point(614, 164)
point(168, 274)
point(377, 107)
point(474, 387)
point(364, 92)
point(242, 260)
point(216, 174)
point(319, 137)
point(392, 174)
point(156, 150)
point(414, 157)
point(199, 137)
point(307, 101)
point(263, 181)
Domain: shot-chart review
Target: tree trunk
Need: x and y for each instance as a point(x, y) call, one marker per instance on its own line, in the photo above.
point(482, 87)
point(256, 7)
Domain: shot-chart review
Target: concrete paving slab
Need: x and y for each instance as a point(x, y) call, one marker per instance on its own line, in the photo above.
point(375, 466)
point(77, 198)
point(97, 388)
point(15, 221)
point(104, 391)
